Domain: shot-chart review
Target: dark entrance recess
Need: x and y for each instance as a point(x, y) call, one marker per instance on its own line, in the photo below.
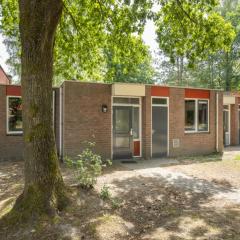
point(159, 128)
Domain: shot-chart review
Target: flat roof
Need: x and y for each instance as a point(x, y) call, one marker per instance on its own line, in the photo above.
point(146, 84)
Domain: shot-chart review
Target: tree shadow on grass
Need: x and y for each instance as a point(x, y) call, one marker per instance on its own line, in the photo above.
point(154, 207)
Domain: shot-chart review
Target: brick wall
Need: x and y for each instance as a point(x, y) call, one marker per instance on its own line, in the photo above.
point(146, 124)
point(192, 143)
point(83, 117)
point(220, 122)
point(11, 146)
point(3, 77)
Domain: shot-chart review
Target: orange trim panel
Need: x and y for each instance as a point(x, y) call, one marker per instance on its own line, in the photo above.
point(136, 146)
point(160, 91)
point(197, 93)
point(13, 90)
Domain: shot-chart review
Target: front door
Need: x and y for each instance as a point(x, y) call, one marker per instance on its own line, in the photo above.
point(122, 132)
point(226, 125)
point(159, 128)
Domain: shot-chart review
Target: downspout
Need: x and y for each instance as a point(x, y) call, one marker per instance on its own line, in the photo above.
point(217, 113)
point(60, 123)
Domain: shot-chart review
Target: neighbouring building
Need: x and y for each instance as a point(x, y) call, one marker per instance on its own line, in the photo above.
point(124, 120)
point(4, 78)
point(231, 116)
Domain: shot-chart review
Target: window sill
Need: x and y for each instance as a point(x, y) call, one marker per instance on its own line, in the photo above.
point(14, 134)
point(196, 132)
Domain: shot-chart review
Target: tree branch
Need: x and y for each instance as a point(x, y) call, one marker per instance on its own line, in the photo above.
point(185, 12)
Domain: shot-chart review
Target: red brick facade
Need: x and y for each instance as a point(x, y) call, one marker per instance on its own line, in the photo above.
point(79, 118)
point(11, 146)
point(83, 119)
point(193, 143)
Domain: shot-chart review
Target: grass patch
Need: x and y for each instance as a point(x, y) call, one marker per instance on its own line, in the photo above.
point(214, 157)
point(237, 157)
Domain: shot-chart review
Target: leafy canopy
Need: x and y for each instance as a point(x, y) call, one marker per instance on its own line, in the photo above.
point(193, 29)
point(101, 40)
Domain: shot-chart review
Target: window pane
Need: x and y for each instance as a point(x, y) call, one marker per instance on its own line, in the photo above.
point(159, 101)
point(15, 114)
point(136, 123)
point(190, 115)
point(126, 100)
point(202, 115)
point(134, 100)
point(226, 121)
point(122, 120)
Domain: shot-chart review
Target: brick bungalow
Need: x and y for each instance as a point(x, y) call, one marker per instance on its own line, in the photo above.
point(124, 120)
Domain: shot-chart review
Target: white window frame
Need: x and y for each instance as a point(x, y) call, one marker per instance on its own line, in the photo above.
point(7, 117)
point(196, 115)
point(139, 105)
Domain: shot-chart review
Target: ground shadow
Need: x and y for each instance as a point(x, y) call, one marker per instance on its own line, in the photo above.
point(153, 207)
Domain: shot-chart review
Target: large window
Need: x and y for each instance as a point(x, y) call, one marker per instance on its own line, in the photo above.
point(196, 116)
point(190, 117)
point(14, 115)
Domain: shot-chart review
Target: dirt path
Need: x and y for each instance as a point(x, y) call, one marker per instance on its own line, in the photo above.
point(195, 199)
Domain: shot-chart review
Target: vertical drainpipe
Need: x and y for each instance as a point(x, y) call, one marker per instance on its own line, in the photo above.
point(60, 124)
point(217, 113)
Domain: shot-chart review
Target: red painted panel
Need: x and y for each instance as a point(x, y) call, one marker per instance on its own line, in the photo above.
point(160, 91)
point(136, 148)
point(197, 93)
point(13, 90)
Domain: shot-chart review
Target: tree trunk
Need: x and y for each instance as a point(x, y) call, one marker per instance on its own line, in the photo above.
point(44, 190)
point(228, 72)
point(179, 70)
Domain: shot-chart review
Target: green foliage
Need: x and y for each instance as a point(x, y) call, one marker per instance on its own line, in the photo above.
point(88, 32)
point(9, 28)
point(101, 41)
point(218, 70)
point(130, 67)
point(105, 193)
point(192, 29)
point(88, 166)
point(116, 203)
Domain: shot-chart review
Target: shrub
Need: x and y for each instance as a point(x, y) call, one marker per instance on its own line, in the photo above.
point(105, 193)
point(88, 166)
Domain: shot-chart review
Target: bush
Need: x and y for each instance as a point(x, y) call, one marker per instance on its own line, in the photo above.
point(88, 166)
point(105, 193)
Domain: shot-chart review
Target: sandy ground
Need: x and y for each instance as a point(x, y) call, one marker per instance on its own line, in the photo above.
point(182, 199)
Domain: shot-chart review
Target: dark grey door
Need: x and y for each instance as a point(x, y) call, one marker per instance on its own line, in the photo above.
point(159, 131)
point(122, 132)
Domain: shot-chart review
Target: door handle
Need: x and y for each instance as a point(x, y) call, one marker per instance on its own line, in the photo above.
point(131, 132)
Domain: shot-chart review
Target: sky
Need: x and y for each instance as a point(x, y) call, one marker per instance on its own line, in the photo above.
point(3, 54)
point(149, 37)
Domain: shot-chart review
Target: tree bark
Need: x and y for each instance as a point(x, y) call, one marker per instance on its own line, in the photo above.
point(228, 72)
point(44, 190)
